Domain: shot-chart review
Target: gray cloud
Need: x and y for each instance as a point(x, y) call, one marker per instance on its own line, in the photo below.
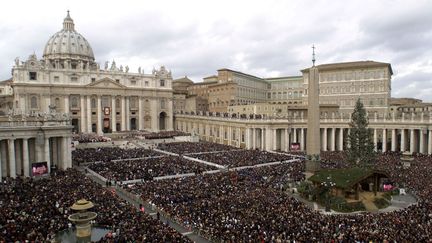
point(261, 38)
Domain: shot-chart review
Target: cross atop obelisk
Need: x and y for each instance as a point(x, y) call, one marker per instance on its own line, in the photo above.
point(313, 55)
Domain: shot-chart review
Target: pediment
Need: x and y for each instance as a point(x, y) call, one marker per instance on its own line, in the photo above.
point(106, 83)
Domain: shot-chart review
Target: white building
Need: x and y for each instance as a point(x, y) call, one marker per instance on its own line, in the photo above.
point(106, 100)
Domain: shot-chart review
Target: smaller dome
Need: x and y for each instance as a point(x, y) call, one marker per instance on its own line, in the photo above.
point(68, 44)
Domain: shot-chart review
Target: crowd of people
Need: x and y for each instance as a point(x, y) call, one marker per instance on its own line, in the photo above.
point(242, 157)
point(165, 134)
point(89, 138)
point(106, 154)
point(191, 147)
point(35, 210)
point(249, 205)
point(146, 169)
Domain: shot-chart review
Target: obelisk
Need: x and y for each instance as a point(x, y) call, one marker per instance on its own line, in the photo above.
point(313, 137)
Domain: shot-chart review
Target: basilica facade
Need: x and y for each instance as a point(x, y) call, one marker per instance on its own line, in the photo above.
point(99, 99)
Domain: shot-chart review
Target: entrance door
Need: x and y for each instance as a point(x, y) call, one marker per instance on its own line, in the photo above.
point(75, 124)
point(133, 123)
point(162, 119)
point(106, 125)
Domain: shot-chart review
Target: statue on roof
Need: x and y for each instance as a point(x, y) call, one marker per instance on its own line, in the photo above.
point(106, 65)
point(17, 61)
point(113, 66)
point(127, 69)
point(121, 68)
point(139, 70)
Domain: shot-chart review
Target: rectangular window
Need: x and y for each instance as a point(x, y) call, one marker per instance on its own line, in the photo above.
point(146, 83)
point(133, 82)
point(56, 78)
point(93, 80)
point(74, 79)
point(33, 75)
point(118, 81)
point(162, 83)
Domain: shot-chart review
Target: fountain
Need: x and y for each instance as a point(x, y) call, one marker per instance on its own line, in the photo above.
point(82, 218)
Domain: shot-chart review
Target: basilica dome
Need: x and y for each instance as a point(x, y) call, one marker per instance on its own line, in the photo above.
point(67, 44)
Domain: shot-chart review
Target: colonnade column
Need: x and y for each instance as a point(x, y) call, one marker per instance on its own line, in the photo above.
point(375, 139)
point(47, 153)
point(302, 139)
point(26, 162)
point(403, 146)
point(393, 140)
point(83, 125)
point(123, 115)
point(412, 145)
point(1, 166)
point(325, 139)
point(3, 156)
point(113, 114)
point(140, 114)
point(263, 134)
point(248, 138)
point(430, 142)
point(12, 168)
point(421, 148)
point(340, 146)
point(384, 140)
point(274, 139)
point(333, 138)
point(89, 114)
point(99, 115)
point(254, 138)
point(286, 140)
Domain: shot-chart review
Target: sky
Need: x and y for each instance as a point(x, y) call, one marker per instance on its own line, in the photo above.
point(263, 38)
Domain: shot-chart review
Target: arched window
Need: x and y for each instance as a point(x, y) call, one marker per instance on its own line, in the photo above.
point(162, 83)
point(33, 102)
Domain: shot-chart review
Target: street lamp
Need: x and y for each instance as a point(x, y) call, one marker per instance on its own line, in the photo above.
point(327, 185)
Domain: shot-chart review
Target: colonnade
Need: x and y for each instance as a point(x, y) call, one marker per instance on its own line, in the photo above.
point(18, 154)
point(279, 135)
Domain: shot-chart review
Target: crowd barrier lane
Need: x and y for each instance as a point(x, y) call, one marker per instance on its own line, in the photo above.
point(205, 162)
point(165, 152)
point(96, 174)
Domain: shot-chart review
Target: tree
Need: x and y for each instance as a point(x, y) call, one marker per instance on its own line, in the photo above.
point(361, 150)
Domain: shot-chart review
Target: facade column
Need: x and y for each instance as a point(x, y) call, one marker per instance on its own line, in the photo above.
point(412, 147)
point(113, 114)
point(403, 139)
point(340, 145)
point(263, 134)
point(99, 115)
point(384, 140)
point(286, 140)
point(3, 157)
point(123, 114)
point(128, 113)
point(239, 136)
point(83, 125)
point(140, 114)
point(429, 141)
point(333, 139)
point(12, 165)
point(302, 139)
point(169, 117)
point(154, 104)
point(421, 148)
point(325, 139)
point(393, 140)
point(47, 153)
point(295, 135)
point(47, 102)
point(89, 115)
point(66, 104)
